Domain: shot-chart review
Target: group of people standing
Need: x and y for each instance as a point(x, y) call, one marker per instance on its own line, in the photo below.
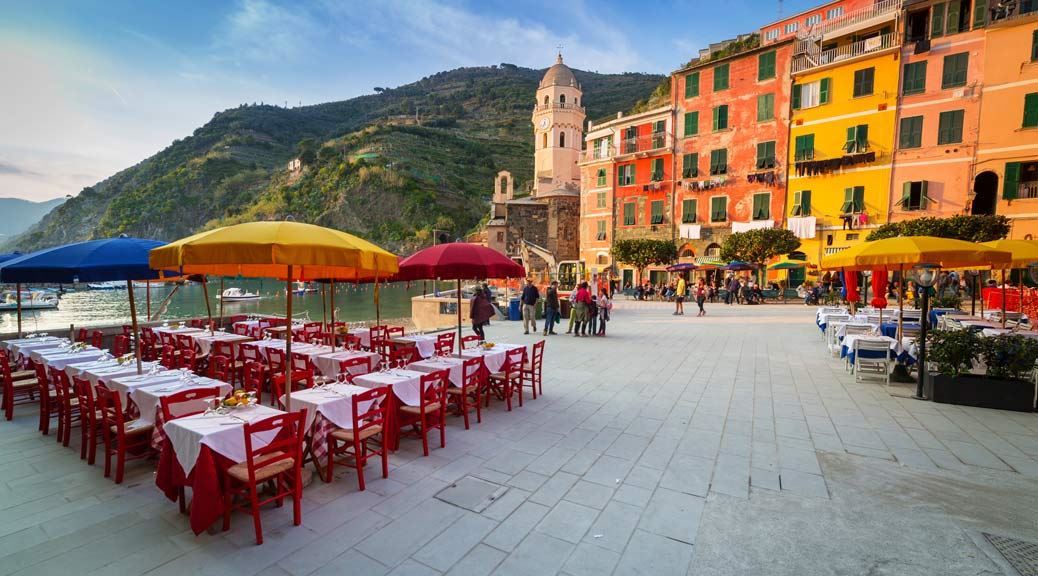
point(698, 295)
point(588, 312)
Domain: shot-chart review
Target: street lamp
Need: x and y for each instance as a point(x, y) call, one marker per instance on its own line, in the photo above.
point(924, 276)
point(973, 290)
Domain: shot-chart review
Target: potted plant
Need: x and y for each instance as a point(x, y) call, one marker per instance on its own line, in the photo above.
point(1007, 383)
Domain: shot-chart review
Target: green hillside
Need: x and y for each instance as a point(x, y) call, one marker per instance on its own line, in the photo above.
point(370, 168)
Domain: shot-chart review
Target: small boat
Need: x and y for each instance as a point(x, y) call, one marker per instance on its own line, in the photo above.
point(148, 285)
point(106, 285)
point(31, 301)
point(237, 295)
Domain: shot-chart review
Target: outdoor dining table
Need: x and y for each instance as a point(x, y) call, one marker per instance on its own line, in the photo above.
point(23, 346)
point(453, 365)
point(364, 334)
point(328, 363)
point(841, 330)
point(148, 399)
point(327, 408)
point(297, 347)
point(177, 329)
point(406, 387)
point(494, 357)
point(105, 370)
point(426, 345)
point(58, 358)
point(823, 318)
point(890, 328)
point(198, 449)
point(847, 347)
point(205, 339)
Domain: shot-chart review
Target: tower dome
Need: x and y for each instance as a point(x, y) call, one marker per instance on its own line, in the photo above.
point(559, 75)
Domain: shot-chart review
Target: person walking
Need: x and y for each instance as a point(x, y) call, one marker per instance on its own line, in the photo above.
point(700, 293)
point(480, 312)
point(604, 306)
point(679, 296)
point(733, 290)
point(529, 299)
point(581, 304)
point(551, 307)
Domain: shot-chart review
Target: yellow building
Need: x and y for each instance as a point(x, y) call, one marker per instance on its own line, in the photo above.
point(844, 97)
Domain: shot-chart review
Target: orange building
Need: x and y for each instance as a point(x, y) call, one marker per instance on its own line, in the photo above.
point(1007, 154)
point(732, 111)
point(938, 116)
point(597, 177)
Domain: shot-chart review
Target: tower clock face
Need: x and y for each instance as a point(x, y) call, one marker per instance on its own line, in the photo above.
point(544, 123)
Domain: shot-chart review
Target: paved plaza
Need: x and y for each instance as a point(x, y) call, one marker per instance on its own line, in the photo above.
point(729, 444)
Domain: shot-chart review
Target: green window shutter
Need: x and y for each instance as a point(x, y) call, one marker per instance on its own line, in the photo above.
point(949, 127)
point(805, 202)
point(915, 78)
point(656, 170)
point(848, 201)
point(761, 206)
point(690, 165)
point(922, 195)
point(630, 174)
point(937, 21)
point(952, 20)
point(657, 212)
point(1034, 46)
point(1031, 110)
point(863, 81)
point(718, 212)
point(766, 66)
point(720, 77)
point(1011, 182)
point(859, 198)
point(691, 123)
point(720, 117)
point(911, 132)
point(796, 96)
point(765, 107)
point(850, 142)
point(601, 177)
point(688, 211)
point(906, 196)
point(797, 197)
point(692, 85)
point(980, 13)
point(954, 72)
point(824, 88)
point(861, 140)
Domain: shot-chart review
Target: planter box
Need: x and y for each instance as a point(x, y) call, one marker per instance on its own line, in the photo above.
point(981, 391)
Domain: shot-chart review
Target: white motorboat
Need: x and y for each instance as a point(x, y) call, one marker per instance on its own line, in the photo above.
point(238, 295)
point(30, 301)
point(107, 285)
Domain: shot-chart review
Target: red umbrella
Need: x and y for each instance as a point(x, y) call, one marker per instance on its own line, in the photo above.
point(458, 261)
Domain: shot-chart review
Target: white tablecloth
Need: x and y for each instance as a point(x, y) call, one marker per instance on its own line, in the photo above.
point(25, 345)
point(300, 347)
point(493, 358)
point(426, 344)
point(177, 330)
point(148, 397)
point(58, 359)
point(364, 334)
point(454, 365)
point(125, 385)
point(105, 371)
point(332, 401)
point(206, 339)
point(841, 329)
point(223, 434)
point(848, 342)
point(328, 363)
point(405, 384)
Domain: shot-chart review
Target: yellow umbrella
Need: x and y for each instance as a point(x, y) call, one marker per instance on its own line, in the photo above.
point(911, 250)
point(288, 251)
point(1025, 253)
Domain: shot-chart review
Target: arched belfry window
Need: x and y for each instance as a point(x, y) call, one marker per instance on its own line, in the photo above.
point(547, 99)
point(544, 140)
point(562, 139)
point(562, 98)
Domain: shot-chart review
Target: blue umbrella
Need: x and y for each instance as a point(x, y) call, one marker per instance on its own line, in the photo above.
point(110, 259)
point(740, 265)
point(9, 256)
point(681, 267)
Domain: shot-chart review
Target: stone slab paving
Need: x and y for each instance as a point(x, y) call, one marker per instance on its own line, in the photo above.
point(729, 444)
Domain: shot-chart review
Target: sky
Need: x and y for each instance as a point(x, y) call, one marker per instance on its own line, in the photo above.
point(91, 87)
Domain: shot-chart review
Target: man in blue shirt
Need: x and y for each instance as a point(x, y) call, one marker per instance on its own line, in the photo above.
point(529, 300)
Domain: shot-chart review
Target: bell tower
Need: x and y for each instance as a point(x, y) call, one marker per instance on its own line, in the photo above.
point(558, 128)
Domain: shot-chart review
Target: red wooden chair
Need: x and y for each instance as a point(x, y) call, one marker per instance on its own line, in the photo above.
point(394, 331)
point(170, 357)
point(226, 349)
point(532, 371)
point(82, 335)
point(431, 410)
point(253, 378)
point(365, 439)
point(404, 353)
point(150, 348)
point(49, 405)
point(378, 339)
point(249, 353)
point(120, 345)
point(97, 339)
point(68, 405)
point(172, 406)
point(189, 359)
point(470, 392)
point(90, 427)
point(241, 329)
point(301, 378)
point(509, 380)
point(185, 342)
point(351, 341)
point(127, 330)
point(445, 343)
point(122, 439)
point(346, 366)
point(20, 386)
point(220, 369)
point(469, 341)
point(278, 464)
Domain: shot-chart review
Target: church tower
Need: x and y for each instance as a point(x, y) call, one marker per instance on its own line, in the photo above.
point(558, 127)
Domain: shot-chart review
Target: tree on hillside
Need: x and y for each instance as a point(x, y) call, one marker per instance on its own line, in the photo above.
point(759, 246)
point(642, 252)
point(306, 150)
point(972, 228)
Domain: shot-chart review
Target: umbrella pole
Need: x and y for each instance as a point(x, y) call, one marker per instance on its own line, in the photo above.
point(221, 301)
point(147, 297)
point(900, 301)
point(378, 303)
point(335, 336)
point(18, 297)
point(208, 306)
point(133, 322)
point(288, 342)
point(324, 307)
point(459, 316)
point(1003, 299)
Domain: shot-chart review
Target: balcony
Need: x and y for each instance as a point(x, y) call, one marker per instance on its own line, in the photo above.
point(1027, 190)
point(807, 61)
point(655, 141)
point(601, 153)
point(558, 106)
point(859, 19)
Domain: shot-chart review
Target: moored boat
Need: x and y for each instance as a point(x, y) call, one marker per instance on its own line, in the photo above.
point(237, 295)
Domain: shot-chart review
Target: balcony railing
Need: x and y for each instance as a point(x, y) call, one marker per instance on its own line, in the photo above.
point(878, 12)
point(647, 143)
point(807, 61)
point(1028, 190)
point(558, 106)
point(602, 153)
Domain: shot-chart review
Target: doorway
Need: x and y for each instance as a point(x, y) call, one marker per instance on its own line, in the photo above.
point(985, 193)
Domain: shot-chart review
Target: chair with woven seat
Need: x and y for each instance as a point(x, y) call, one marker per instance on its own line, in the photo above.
point(187, 402)
point(402, 354)
point(49, 405)
point(20, 386)
point(170, 357)
point(302, 377)
point(150, 348)
point(189, 360)
point(254, 376)
point(68, 405)
point(430, 414)
point(234, 365)
point(241, 329)
point(90, 426)
point(509, 380)
point(278, 464)
point(470, 393)
point(123, 439)
point(351, 342)
point(532, 371)
point(365, 439)
point(347, 366)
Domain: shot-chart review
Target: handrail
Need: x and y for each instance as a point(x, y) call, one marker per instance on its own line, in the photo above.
point(807, 61)
point(557, 106)
point(850, 18)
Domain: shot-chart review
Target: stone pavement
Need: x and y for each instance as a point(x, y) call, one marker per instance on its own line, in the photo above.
point(729, 444)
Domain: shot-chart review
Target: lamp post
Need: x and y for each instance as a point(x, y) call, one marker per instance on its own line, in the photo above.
point(973, 290)
point(925, 276)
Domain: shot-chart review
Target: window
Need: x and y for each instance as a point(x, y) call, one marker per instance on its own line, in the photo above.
point(853, 200)
point(911, 133)
point(600, 233)
point(771, 34)
point(1034, 46)
point(949, 127)
point(720, 77)
point(625, 175)
point(791, 27)
point(629, 219)
point(1031, 110)
point(659, 131)
point(1020, 181)
point(500, 236)
point(657, 211)
point(802, 203)
point(600, 200)
point(691, 123)
point(766, 154)
point(544, 140)
point(562, 139)
point(913, 196)
point(718, 161)
point(863, 81)
point(766, 66)
point(958, 17)
point(804, 147)
point(690, 165)
point(656, 171)
point(813, 19)
point(915, 78)
point(811, 94)
point(562, 98)
point(857, 139)
point(721, 117)
point(712, 251)
point(692, 85)
point(954, 70)
point(980, 14)
point(688, 211)
point(718, 208)
point(765, 107)
point(937, 21)
point(601, 177)
point(630, 140)
point(761, 206)
point(834, 13)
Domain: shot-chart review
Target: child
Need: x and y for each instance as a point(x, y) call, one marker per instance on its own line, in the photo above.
point(604, 305)
point(592, 314)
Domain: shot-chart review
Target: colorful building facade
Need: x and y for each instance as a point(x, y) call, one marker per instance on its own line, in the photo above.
point(597, 177)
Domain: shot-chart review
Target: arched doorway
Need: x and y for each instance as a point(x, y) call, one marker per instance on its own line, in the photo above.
point(985, 193)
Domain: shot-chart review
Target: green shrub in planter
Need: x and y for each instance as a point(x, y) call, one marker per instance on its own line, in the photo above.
point(1009, 356)
point(953, 351)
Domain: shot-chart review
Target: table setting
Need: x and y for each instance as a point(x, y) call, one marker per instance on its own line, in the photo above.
point(847, 346)
point(66, 354)
point(425, 344)
point(493, 354)
point(327, 363)
point(22, 346)
point(328, 406)
point(453, 365)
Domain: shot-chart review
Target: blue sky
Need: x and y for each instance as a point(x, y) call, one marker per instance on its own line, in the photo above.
point(94, 86)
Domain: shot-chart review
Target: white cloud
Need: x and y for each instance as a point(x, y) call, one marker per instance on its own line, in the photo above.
point(263, 31)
